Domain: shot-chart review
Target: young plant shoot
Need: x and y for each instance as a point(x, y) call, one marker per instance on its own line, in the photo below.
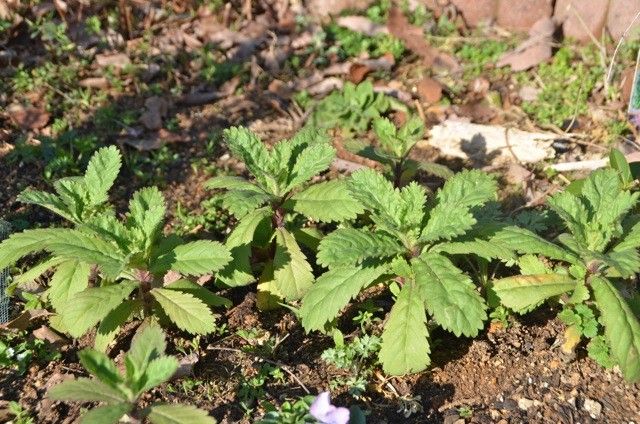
point(273, 207)
point(129, 257)
point(351, 109)
point(404, 248)
point(395, 145)
point(586, 268)
point(146, 366)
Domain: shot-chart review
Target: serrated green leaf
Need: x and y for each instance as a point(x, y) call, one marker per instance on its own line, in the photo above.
point(238, 272)
point(242, 202)
point(158, 371)
point(332, 291)
point(48, 201)
point(467, 189)
point(523, 292)
point(229, 182)
point(102, 171)
point(147, 211)
point(195, 258)
point(36, 271)
point(621, 327)
point(378, 195)
point(85, 390)
point(21, 244)
point(179, 414)
point(413, 198)
point(350, 246)
point(329, 201)
point(481, 248)
point(631, 239)
point(449, 295)
point(99, 364)
point(109, 414)
point(618, 162)
point(626, 263)
point(309, 163)
point(185, 311)
point(436, 169)
point(71, 277)
point(446, 223)
point(247, 147)
point(526, 242)
point(73, 244)
point(199, 292)
point(292, 275)
point(92, 305)
point(147, 344)
point(405, 347)
point(110, 326)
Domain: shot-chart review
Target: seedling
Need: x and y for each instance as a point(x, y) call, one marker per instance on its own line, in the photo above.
point(131, 257)
point(272, 210)
point(405, 248)
point(146, 367)
point(590, 264)
point(351, 109)
point(395, 145)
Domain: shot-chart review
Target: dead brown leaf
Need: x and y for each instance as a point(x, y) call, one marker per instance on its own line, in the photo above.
point(157, 108)
point(362, 25)
point(413, 38)
point(97, 82)
point(24, 320)
point(117, 60)
point(533, 51)
point(357, 72)
point(28, 117)
point(47, 334)
point(429, 90)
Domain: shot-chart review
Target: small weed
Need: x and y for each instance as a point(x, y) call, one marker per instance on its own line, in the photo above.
point(21, 415)
point(566, 86)
point(477, 56)
point(290, 412)
point(17, 351)
point(354, 44)
point(252, 389)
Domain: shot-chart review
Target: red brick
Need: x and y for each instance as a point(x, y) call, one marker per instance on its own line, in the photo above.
point(520, 15)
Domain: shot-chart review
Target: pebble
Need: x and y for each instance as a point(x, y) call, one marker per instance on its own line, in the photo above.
point(593, 407)
point(524, 403)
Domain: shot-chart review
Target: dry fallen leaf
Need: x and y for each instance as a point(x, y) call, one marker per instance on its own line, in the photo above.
point(117, 60)
point(98, 82)
point(413, 38)
point(47, 334)
point(23, 321)
point(362, 25)
point(429, 90)
point(157, 108)
point(535, 50)
point(357, 72)
point(28, 117)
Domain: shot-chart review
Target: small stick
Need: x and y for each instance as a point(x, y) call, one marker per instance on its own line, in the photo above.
point(269, 361)
point(607, 81)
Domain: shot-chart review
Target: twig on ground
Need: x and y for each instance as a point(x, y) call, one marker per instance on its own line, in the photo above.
point(269, 361)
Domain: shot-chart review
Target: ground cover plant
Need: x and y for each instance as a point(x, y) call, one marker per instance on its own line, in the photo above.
point(596, 255)
point(272, 211)
point(406, 243)
point(146, 367)
point(132, 257)
point(272, 208)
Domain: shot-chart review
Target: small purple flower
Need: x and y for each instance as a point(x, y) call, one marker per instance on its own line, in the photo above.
point(322, 410)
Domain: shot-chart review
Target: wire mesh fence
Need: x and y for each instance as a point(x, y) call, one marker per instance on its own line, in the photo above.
point(4, 278)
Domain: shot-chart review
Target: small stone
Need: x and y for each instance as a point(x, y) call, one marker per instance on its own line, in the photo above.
point(621, 14)
point(593, 407)
point(582, 19)
point(476, 12)
point(524, 403)
point(520, 15)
